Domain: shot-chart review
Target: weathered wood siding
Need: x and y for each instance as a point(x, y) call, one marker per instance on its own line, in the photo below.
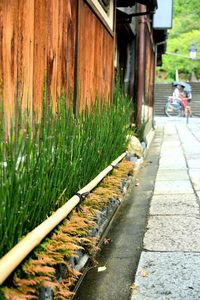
point(38, 40)
point(95, 57)
point(54, 47)
point(149, 71)
point(149, 67)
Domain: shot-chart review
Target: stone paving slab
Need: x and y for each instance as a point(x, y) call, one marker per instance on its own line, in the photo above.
point(169, 143)
point(193, 155)
point(173, 187)
point(170, 150)
point(167, 276)
point(171, 154)
point(185, 204)
point(180, 122)
point(195, 178)
point(173, 233)
point(194, 163)
point(173, 157)
point(168, 174)
point(194, 151)
point(172, 163)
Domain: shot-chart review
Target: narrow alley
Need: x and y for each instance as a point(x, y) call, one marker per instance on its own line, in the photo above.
point(156, 252)
point(170, 261)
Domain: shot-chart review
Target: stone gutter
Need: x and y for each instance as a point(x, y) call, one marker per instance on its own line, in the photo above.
point(106, 215)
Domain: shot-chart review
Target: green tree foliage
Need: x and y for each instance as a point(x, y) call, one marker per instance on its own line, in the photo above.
point(185, 31)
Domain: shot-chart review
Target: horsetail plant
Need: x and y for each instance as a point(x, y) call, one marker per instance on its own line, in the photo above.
point(43, 163)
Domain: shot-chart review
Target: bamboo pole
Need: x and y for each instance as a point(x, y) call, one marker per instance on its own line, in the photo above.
point(18, 253)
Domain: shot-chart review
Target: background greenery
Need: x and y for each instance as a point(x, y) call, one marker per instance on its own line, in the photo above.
point(185, 30)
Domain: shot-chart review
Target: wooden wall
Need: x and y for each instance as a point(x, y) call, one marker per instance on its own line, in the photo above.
point(95, 57)
point(39, 39)
point(149, 66)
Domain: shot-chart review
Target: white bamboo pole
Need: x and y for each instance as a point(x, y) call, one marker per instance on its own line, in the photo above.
point(18, 253)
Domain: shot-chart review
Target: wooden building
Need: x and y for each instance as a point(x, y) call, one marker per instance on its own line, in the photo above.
point(64, 43)
point(138, 54)
point(70, 46)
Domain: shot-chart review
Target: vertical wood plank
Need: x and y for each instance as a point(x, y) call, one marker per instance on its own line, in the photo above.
point(95, 59)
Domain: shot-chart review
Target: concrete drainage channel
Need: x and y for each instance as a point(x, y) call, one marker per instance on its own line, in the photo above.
point(105, 217)
point(82, 262)
point(118, 259)
point(104, 220)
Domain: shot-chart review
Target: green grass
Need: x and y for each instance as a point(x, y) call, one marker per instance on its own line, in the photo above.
point(42, 164)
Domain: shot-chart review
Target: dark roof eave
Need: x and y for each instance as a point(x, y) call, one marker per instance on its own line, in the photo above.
point(151, 3)
point(124, 3)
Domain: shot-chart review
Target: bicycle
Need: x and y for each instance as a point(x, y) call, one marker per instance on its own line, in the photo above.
point(174, 107)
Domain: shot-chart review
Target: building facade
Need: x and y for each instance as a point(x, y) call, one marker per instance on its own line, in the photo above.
point(77, 47)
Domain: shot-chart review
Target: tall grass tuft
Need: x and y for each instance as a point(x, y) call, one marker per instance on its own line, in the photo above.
point(42, 164)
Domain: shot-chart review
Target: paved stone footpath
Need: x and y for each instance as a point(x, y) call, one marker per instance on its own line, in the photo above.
point(169, 266)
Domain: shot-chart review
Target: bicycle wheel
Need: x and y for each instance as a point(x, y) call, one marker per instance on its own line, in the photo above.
point(171, 111)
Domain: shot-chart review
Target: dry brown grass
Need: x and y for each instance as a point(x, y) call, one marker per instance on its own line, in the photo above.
point(71, 236)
